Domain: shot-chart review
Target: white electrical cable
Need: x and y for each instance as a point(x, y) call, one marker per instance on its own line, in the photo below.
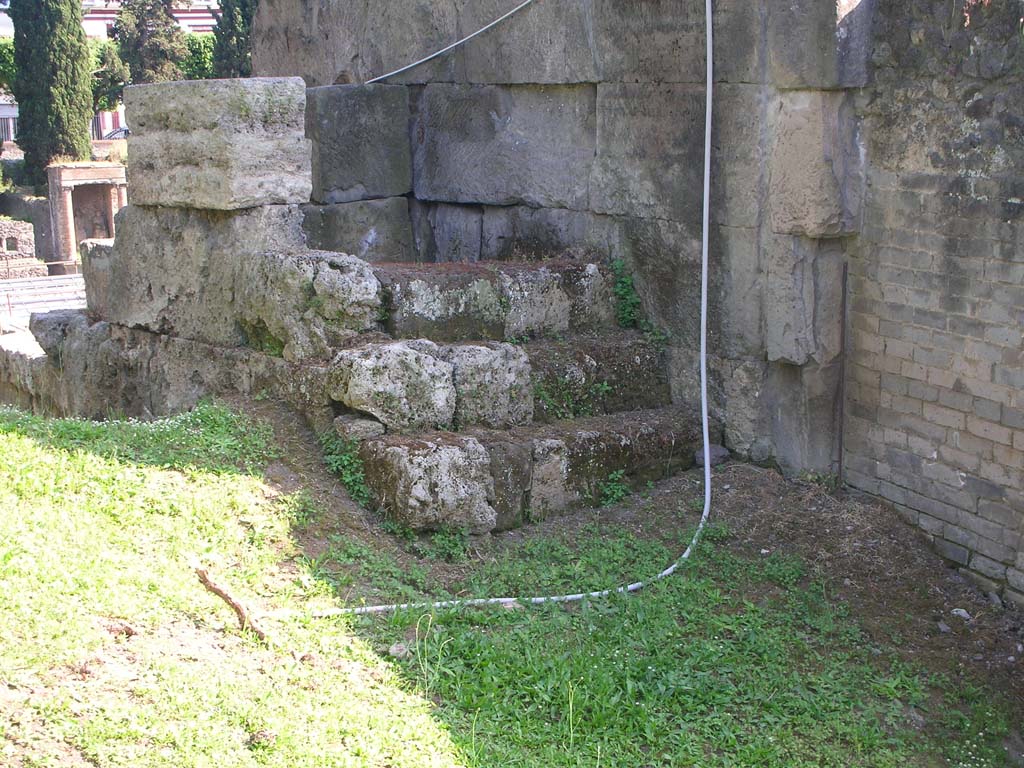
point(451, 47)
point(638, 585)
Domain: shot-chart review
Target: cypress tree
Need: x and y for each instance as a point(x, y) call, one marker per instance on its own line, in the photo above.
point(52, 82)
point(232, 55)
point(150, 41)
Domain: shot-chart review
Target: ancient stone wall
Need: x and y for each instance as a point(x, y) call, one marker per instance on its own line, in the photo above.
point(936, 390)
point(578, 127)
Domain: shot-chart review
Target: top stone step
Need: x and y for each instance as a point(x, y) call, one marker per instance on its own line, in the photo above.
point(219, 144)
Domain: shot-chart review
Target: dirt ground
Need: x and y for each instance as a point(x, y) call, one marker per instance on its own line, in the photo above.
point(899, 590)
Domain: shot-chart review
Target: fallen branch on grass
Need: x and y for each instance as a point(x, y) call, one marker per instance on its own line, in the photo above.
point(245, 619)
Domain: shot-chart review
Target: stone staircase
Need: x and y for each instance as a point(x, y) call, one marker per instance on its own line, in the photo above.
point(457, 426)
point(474, 395)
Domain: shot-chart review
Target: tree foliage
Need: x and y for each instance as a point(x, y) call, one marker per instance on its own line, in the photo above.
point(51, 83)
point(232, 55)
point(109, 75)
point(198, 65)
point(150, 41)
point(6, 64)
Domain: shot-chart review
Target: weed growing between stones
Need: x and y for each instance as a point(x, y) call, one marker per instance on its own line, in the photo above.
point(627, 301)
point(342, 458)
point(628, 309)
point(613, 490)
point(563, 400)
point(259, 337)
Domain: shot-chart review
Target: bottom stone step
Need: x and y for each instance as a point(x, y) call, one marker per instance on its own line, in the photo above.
point(489, 480)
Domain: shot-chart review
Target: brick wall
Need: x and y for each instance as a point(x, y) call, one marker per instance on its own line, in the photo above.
point(935, 406)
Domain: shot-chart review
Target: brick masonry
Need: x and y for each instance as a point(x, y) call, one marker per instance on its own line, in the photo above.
point(935, 389)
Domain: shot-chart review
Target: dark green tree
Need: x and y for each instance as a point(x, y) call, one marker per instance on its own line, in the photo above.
point(109, 75)
point(232, 52)
point(52, 83)
point(150, 41)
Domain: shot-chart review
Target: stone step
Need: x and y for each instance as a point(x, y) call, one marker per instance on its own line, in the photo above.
point(415, 384)
point(595, 373)
point(488, 480)
point(495, 300)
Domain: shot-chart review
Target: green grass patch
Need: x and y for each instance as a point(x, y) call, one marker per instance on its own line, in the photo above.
point(732, 662)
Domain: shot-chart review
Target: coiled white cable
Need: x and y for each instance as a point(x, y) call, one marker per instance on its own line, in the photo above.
point(637, 585)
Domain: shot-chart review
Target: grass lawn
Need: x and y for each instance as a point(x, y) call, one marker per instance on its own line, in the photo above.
point(113, 654)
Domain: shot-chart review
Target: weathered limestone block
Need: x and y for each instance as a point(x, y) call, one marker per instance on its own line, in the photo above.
point(218, 144)
point(664, 259)
point(430, 483)
point(550, 493)
point(372, 230)
point(512, 471)
point(235, 279)
point(447, 233)
point(464, 302)
point(399, 32)
point(740, 296)
point(649, 157)
point(305, 302)
point(174, 270)
point(816, 177)
point(803, 288)
point(504, 144)
point(803, 402)
point(663, 42)
point(360, 136)
point(402, 386)
point(544, 43)
point(492, 384)
point(737, 159)
point(349, 427)
point(523, 233)
point(819, 45)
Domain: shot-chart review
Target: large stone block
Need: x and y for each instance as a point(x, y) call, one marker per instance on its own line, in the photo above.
point(372, 230)
point(803, 299)
point(522, 233)
point(504, 144)
point(469, 302)
point(650, 157)
point(431, 483)
point(816, 176)
point(218, 144)
point(736, 260)
point(819, 45)
point(235, 279)
point(663, 41)
point(738, 169)
point(447, 233)
point(403, 385)
point(360, 137)
point(492, 384)
point(544, 43)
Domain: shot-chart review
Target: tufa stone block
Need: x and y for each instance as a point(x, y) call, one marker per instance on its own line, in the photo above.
point(504, 144)
point(360, 136)
point(218, 144)
point(816, 181)
point(372, 230)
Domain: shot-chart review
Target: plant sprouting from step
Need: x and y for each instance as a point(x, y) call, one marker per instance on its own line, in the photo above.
point(342, 458)
point(628, 310)
point(562, 399)
point(627, 301)
point(613, 490)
